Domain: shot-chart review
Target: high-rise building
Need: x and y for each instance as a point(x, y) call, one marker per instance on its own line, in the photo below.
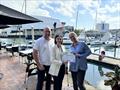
point(104, 27)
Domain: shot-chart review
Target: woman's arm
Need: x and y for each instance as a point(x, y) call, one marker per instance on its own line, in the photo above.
point(86, 51)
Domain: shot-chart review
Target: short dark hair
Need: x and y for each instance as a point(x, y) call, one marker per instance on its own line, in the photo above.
point(56, 37)
point(103, 52)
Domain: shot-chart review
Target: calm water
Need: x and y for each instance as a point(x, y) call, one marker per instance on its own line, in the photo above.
point(94, 76)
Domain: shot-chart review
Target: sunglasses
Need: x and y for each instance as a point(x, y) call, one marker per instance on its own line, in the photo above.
point(71, 37)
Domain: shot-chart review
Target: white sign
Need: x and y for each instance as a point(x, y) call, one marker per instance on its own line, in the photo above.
point(55, 67)
point(67, 56)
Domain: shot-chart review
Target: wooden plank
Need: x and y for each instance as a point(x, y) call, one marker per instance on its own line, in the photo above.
point(106, 61)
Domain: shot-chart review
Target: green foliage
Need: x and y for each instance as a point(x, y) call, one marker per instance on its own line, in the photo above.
point(113, 77)
point(78, 31)
point(110, 74)
point(110, 82)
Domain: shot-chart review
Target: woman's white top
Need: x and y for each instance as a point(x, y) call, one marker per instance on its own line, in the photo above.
point(56, 60)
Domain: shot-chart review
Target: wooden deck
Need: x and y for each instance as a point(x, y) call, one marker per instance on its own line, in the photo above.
point(107, 61)
point(13, 72)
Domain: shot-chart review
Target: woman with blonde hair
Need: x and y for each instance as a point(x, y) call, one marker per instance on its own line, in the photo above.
point(79, 66)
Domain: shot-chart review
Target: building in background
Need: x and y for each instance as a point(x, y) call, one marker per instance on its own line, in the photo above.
point(102, 27)
point(25, 30)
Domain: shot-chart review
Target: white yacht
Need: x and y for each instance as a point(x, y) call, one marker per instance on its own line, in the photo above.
point(66, 41)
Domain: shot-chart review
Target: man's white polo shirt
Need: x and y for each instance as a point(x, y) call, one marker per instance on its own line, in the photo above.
point(44, 48)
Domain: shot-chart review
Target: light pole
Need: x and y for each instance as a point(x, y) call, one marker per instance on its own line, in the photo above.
point(115, 43)
point(54, 29)
point(63, 29)
point(32, 33)
point(19, 29)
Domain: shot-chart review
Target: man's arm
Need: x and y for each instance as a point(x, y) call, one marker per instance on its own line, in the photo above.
point(36, 58)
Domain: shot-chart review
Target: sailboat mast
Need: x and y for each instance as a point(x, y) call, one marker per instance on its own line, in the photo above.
point(25, 6)
point(95, 19)
point(77, 17)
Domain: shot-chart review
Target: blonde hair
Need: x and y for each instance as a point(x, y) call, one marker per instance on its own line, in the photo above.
point(72, 33)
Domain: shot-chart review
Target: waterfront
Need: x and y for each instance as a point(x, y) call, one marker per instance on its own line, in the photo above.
point(94, 76)
point(99, 18)
point(110, 51)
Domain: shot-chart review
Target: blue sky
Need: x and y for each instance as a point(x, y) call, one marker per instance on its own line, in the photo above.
point(89, 11)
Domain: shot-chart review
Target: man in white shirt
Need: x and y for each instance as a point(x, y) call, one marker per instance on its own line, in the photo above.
point(42, 55)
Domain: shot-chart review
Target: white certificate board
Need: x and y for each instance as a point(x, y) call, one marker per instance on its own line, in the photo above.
point(67, 56)
point(54, 68)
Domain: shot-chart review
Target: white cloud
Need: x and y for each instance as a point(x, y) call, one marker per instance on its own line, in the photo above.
point(114, 22)
point(73, 21)
point(112, 8)
point(40, 12)
point(87, 4)
point(32, 7)
point(108, 13)
point(66, 8)
point(102, 17)
point(48, 6)
point(45, 4)
point(90, 7)
point(82, 12)
point(12, 4)
point(101, 10)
